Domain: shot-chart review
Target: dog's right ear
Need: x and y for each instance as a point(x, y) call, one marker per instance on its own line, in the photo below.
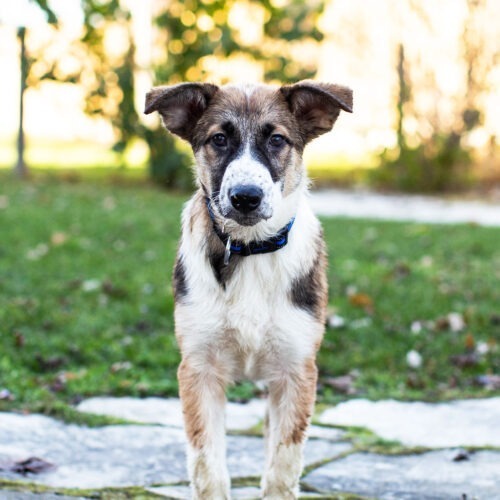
point(180, 106)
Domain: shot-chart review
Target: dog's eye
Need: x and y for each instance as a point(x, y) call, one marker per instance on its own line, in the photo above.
point(219, 140)
point(277, 140)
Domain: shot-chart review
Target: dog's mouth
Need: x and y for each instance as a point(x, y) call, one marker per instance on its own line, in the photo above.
point(229, 213)
point(246, 220)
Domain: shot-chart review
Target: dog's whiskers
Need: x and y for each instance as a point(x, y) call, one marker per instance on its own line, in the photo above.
point(214, 203)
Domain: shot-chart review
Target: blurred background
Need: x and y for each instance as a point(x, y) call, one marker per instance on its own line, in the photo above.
point(426, 80)
point(91, 190)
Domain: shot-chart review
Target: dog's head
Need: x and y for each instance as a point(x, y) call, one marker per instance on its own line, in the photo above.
point(248, 140)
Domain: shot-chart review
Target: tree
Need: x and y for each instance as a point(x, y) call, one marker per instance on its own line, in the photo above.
point(193, 33)
point(21, 169)
point(196, 31)
point(44, 6)
point(107, 77)
point(440, 159)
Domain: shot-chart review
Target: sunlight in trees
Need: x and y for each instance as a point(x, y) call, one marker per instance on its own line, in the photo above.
point(445, 85)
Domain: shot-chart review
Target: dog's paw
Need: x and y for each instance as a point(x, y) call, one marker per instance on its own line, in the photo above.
point(279, 495)
point(214, 491)
point(278, 490)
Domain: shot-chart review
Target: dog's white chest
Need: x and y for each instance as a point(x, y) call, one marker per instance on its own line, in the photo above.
point(251, 297)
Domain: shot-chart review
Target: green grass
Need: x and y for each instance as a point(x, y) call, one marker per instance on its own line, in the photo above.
point(86, 304)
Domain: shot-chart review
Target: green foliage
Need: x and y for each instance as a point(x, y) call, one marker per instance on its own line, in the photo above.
point(169, 165)
point(191, 31)
point(86, 305)
point(440, 160)
point(436, 166)
point(194, 31)
point(111, 91)
point(108, 79)
point(44, 6)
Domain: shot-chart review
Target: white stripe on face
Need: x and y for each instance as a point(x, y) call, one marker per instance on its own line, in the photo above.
point(247, 171)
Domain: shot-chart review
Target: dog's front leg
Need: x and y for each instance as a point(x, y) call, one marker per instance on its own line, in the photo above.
point(291, 403)
point(203, 399)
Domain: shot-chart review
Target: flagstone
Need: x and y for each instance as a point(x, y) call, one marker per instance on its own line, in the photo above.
point(471, 422)
point(430, 476)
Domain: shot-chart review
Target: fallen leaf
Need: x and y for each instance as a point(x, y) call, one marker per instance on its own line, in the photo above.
point(127, 340)
point(470, 343)
point(426, 261)
point(362, 300)
point(91, 285)
point(465, 360)
point(49, 364)
point(19, 339)
point(32, 465)
point(73, 284)
point(441, 324)
point(453, 321)
point(343, 384)
point(491, 382)
point(413, 359)
point(111, 290)
point(416, 327)
point(141, 326)
point(38, 252)
point(461, 456)
point(58, 238)
point(360, 323)
point(6, 395)
point(72, 375)
point(121, 366)
point(482, 348)
point(456, 322)
point(495, 319)
point(336, 321)
point(59, 383)
point(401, 270)
point(413, 381)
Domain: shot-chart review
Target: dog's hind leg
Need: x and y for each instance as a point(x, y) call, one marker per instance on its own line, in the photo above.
point(291, 403)
point(203, 402)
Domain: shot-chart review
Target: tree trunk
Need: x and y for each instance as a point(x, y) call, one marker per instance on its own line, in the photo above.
point(21, 170)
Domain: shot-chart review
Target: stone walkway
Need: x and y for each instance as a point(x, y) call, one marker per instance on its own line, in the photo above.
point(417, 208)
point(447, 450)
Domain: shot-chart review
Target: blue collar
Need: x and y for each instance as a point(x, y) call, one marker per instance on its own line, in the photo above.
point(253, 247)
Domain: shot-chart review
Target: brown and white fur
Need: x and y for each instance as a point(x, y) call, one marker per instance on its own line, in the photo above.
point(259, 317)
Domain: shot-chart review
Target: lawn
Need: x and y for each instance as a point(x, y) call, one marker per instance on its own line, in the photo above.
point(86, 304)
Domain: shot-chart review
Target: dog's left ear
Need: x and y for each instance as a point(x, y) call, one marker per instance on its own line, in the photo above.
point(180, 106)
point(316, 106)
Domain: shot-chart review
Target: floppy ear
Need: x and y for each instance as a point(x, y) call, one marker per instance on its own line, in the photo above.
point(180, 106)
point(316, 106)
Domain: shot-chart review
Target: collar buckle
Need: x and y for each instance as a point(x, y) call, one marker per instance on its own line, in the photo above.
point(227, 252)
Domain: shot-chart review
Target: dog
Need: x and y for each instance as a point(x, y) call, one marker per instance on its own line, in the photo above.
point(249, 281)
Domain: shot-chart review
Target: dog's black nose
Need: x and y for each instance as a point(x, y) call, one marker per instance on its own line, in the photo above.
point(246, 198)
